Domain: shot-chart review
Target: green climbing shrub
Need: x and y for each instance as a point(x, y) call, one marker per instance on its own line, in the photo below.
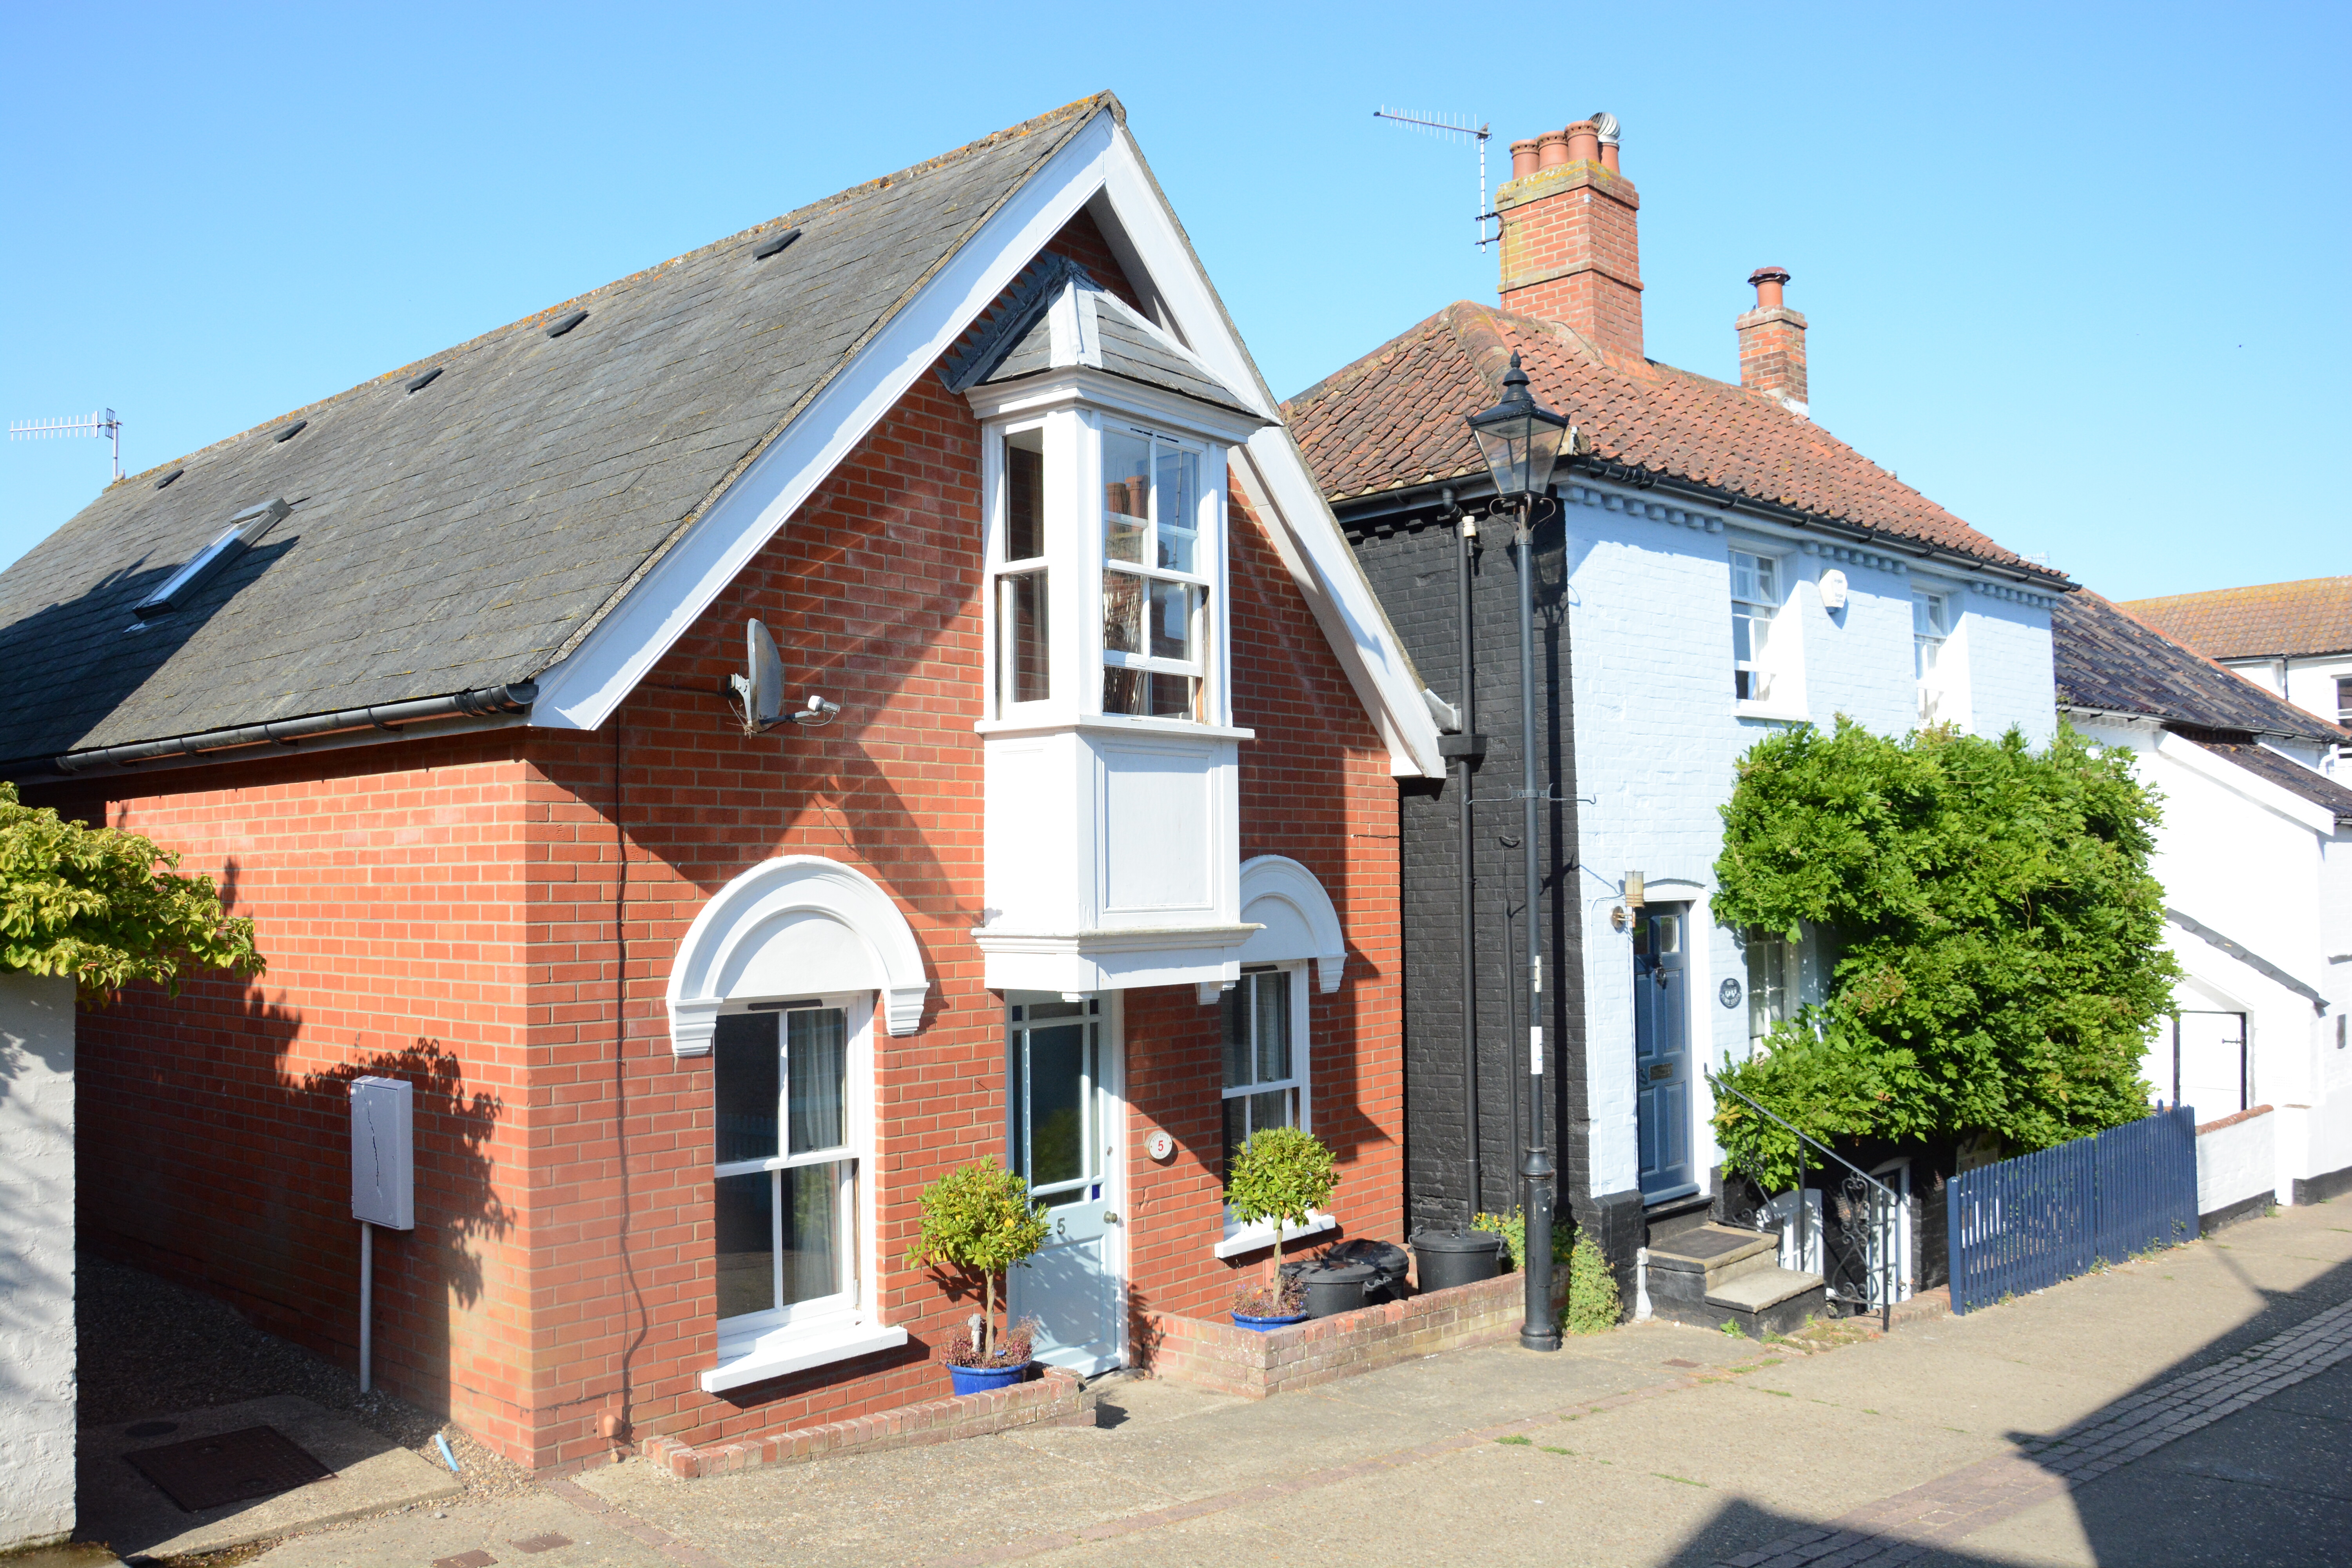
point(1593, 1304)
point(1282, 1174)
point(2000, 957)
point(979, 1221)
point(107, 906)
point(1512, 1228)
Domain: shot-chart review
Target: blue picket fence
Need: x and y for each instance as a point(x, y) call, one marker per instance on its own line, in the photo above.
point(2032, 1221)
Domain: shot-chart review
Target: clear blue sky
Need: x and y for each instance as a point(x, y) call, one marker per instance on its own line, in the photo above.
point(2078, 273)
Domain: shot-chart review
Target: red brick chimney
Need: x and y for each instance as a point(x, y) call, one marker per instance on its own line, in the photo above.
point(1772, 343)
point(1570, 252)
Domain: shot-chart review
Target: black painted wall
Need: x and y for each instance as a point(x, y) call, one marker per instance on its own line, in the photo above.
point(1409, 560)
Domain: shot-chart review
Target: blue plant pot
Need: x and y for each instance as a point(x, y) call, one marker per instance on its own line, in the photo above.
point(1265, 1325)
point(982, 1379)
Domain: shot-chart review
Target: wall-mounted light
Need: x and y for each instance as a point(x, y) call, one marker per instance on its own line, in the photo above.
point(1633, 898)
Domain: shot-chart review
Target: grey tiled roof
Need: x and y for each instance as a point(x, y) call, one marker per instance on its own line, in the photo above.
point(2289, 775)
point(2105, 659)
point(1027, 336)
point(467, 534)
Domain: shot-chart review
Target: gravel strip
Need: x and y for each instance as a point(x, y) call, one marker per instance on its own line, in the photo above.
point(148, 1347)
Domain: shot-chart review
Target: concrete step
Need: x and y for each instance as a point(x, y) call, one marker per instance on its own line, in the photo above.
point(1687, 1267)
point(1677, 1216)
point(1772, 1301)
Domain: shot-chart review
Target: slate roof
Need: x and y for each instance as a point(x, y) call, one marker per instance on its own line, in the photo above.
point(2106, 659)
point(1026, 335)
point(2274, 620)
point(2289, 775)
point(1392, 420)
point(467, 535)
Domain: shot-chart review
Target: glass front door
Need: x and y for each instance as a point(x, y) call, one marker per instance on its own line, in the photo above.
point(1064, 1131)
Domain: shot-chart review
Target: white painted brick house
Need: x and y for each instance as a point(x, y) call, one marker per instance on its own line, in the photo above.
point(1711, 566)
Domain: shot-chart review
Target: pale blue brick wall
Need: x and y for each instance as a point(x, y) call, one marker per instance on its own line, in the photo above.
point(1657, 737)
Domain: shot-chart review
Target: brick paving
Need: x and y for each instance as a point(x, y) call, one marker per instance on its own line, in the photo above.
point(1912, 1523)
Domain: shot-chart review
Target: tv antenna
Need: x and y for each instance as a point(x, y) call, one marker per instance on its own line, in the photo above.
point(1452, 128)
point(99, 424)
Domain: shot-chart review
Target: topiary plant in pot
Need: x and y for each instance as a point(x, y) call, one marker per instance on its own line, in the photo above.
point(1282, 1174)
point(979, 1221)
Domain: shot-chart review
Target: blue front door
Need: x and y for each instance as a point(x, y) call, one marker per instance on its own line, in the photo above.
point(1662, 1063)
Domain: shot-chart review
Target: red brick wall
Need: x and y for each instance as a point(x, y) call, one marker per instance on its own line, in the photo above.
point(1571, 252)
point(388, 888)
point(458, 901)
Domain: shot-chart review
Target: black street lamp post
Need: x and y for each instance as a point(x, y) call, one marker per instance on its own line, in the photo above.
point(1520, 439)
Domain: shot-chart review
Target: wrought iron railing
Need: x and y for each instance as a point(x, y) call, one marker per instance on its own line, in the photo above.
point(1862, 1266)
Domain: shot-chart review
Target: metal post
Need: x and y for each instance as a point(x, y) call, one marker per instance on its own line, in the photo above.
point(1468, 531)
point(367, 1299)
point(1541, 1331)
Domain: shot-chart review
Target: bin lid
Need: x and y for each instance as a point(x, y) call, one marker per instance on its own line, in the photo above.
point(1387, 1258)
point(1339, 1274)
point(1455, 1241)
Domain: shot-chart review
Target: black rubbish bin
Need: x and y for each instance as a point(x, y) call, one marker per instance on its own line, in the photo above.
point(1388, 1260)
point(1449, 1257)
point(1335, 1288)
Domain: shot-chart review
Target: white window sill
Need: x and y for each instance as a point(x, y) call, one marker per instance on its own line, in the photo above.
point(1769, 710)
point(1242, 1239)
point(1018, 723)
point(785, 1350)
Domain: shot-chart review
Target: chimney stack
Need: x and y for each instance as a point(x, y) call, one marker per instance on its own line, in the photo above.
point(1571, 250)
point(1772, 344)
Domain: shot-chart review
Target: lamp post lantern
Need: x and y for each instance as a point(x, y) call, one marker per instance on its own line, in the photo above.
point(1521, 439)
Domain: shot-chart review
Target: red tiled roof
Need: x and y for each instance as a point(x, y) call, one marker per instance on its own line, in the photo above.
point(2271, 620)
point(1392, 420)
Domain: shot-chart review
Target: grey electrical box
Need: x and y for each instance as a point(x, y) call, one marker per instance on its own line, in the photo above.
point(383, 1140)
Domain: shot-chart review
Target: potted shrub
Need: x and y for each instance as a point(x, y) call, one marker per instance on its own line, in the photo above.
point(1282, 1174)
point(979, 1221)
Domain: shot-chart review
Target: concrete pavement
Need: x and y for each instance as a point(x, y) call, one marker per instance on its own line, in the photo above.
point(2210, 1425)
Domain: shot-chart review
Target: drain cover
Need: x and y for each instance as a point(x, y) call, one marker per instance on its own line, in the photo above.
point(236, 1466)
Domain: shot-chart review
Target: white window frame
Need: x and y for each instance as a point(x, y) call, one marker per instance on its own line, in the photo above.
point(1208, 555)
point(1001, 567)
point(1777, 691)
point(756, 1346)
point(1789, 985)
point(1932, 605)
point(1241, 1238)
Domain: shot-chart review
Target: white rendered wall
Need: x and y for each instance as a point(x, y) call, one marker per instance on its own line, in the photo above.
point(1658, 740)
point(2237, 1163)
point(37, 1259)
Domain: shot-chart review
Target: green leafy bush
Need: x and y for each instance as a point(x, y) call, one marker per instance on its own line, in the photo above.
point(979, 1221)
point(2001, 960)
point(1593, 1304)
point(107, 906)
point(1512, 1228)
point(1282, 1174)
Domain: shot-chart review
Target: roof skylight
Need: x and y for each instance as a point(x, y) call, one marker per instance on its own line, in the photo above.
point(244, 529)
point(419, 383)
point(773, 244)
point(563, 324)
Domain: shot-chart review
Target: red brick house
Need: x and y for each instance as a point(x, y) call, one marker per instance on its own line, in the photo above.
point(438, 677)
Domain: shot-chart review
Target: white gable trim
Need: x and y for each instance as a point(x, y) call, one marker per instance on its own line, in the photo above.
point(2251, 787)
point(1100, 162)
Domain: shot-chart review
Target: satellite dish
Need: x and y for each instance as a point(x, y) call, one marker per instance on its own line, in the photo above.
point(762, 690)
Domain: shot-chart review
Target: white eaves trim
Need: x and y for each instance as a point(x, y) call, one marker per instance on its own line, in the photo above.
point(1099, 164)
point(582, 692)
point(2256, 789)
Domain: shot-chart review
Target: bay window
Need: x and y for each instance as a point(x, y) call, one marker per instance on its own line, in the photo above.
point(1024, 632)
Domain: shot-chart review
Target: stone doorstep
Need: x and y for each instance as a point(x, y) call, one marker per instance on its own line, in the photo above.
point(1056, 1398)
point(1693, 1265)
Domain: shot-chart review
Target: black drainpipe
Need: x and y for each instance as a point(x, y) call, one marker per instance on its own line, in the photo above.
point(1466, 748)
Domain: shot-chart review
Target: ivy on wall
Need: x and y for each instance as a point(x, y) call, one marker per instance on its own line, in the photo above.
point(106, 906)
point(2000, 957)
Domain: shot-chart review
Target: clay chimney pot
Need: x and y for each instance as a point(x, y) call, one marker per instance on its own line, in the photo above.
point(1583, 142)
point(1523, 158)
point(1768, 281)
point(1551, 150)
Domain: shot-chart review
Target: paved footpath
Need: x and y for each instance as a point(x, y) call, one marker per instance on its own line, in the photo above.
point(2192, 1407)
